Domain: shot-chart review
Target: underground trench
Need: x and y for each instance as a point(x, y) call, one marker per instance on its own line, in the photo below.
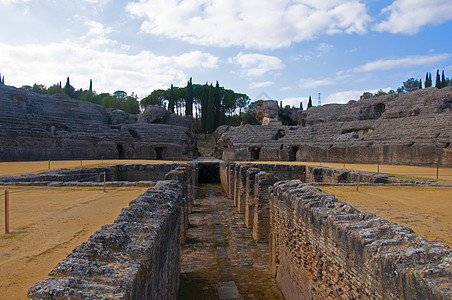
point(220, 259)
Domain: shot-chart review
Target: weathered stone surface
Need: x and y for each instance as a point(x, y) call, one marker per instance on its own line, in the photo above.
point(410, 129)
point(136, 257)
point(267, 112)
point(41, 127)
point(159, 115)
point(117, 116)
point(341, 252)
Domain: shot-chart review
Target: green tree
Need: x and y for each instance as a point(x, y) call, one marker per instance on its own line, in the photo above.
point(55, 89)
point(68, 88)
point(39, 88)
point(171, 100)
point(242, 101)
point(90, 85)
point(189, 99)
point(309, 103)
point(120, 95)
point(438, 80)
point(443, 80)
point(411, 85)
point(366, 95)
point(210, 120)
point(157, 97)
point(428, 80)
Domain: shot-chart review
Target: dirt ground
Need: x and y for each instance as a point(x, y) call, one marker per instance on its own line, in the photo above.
point(27, 167)
point(46, 224)
point(445, 174)
point(426, 210)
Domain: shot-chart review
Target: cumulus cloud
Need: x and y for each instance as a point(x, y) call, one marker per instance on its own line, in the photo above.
point(346, 96)
point(388, 64)
point(97, 34)
point(255, 65)
point(408, 16)
point(260, 24)
point(141, 73)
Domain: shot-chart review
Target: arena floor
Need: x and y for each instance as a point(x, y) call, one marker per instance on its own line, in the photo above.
point(426, 210)
point(46, 224)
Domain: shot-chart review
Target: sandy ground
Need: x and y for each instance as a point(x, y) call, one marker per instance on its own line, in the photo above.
point(46, 224)
point(426, 210)
point(445, 174)
point(27, 167)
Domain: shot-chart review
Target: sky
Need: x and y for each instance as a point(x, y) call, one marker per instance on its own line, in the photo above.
point(286, 50)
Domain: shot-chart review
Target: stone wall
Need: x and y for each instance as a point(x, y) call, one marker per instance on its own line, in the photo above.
point(114, 173)
point(322, 248)
point(136, 257)
point(41, 127)
point(406, 129)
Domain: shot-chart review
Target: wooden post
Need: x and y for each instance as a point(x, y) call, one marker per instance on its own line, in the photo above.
point(437, 172)
point(49, 164)
point(378, 169)
point(105, 175)
point(357, 185)
point(102, 159)
point(81, 163)
point(6, 211)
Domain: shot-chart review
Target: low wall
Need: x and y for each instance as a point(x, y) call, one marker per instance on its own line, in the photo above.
point(321, 248)
point(136, 257)
point(127, 172)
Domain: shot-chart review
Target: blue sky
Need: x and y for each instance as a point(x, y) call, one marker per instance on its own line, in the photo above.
point(287, 49)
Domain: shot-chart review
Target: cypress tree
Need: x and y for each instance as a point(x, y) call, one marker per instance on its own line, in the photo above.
point(189, 99)
point(438, 80)
point(210, 120)
point(67, 89)
point(217, 105)
point(171, 99)
point(309, 103)
point(420, 84)
point(301, 105)
point(90, 85)
point(204, 104)
point(443, 80)
point(428, 83)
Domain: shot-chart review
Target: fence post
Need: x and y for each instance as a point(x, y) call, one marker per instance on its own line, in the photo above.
point(102, 160)
point(105, 175)
point(378, 168)
point(81, 163)
point(357, 185)
point(437, 172)
point(49, 164)
point(6, 211)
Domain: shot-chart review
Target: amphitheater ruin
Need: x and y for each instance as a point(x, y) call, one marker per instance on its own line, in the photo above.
point(318, 246)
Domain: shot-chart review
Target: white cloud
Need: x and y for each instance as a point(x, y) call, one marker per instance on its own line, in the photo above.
point(408, 16)
point(141, 73)
point(388, 64)
point(295, 101)
point(255, 65)
point(197, 59)
point(261, 24)
point(346, 96)
point(324, 47)
point(256, 85)
point(285, 88)
point(97, 34)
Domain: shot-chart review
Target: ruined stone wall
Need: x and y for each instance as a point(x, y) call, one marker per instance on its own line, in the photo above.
point(136, 257)
point(114, 173)
point(41, 127)
point(406, 129)
point(321, 248)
